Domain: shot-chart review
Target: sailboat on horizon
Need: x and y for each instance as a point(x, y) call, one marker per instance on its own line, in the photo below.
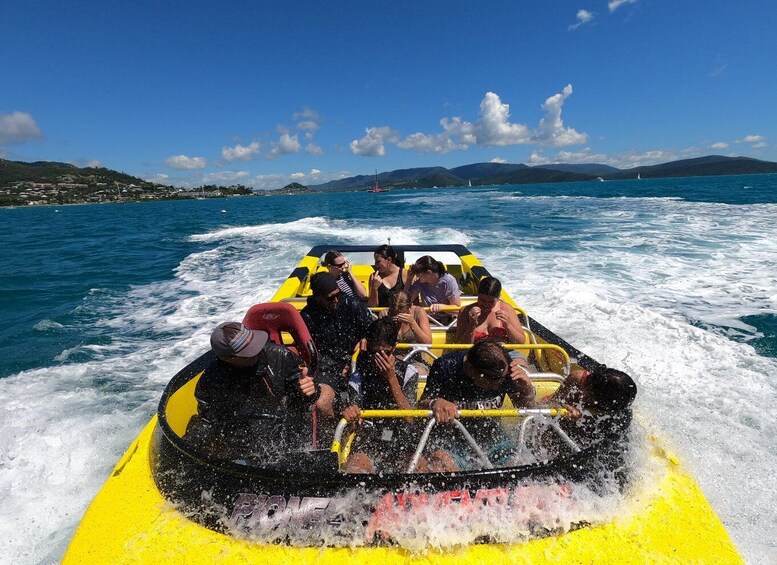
point(377, 187)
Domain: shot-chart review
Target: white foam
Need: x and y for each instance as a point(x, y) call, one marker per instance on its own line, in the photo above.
point(630, 294)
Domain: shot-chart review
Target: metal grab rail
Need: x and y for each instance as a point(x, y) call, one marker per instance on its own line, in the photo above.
point(470, 440)
point(552, 424)
point(342, 456)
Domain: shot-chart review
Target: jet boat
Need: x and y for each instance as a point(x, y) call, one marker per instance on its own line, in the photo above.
point(170, 500)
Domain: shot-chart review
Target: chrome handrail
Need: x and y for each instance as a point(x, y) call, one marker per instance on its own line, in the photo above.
point(464, 413)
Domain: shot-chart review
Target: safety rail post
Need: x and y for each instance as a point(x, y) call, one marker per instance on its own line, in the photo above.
point(342, 455)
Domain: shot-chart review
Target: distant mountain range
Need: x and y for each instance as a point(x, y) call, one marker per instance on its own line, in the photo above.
point(488, 174)
point(479, 174)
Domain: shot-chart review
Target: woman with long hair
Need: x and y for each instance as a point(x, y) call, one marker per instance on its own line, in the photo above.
point(413, 321)
point(389, 276)
point(433, 284)
point(490, 316)
point(340, 268)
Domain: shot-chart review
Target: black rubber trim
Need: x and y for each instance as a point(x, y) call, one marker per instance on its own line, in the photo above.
point(319, 250)
point(479, 272)
point(300, 273)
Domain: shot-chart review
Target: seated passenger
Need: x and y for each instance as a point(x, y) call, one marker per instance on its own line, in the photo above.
point(413, 328)
point(433, 284)
point(381, 382)
point(337, 323)
point(489, 317)
point(252, 400)
point(340, 268)
point(601, 392)
point(413, 320)
point(478, 379)
point(389, 276)
point(599, 406)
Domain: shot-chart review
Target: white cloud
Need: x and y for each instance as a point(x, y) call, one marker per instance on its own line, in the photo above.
point(492, 128)
point(615, 4)
point(314, 149)
point(759, 145)
point(241, 152)
point(440, 143)
point(306, 114)
point(583, 17)
point(499, 160)
point(574, 157)
point(752, 139)
point(719, 70)
point(224, 176)
point(630, 159)
point(285, 145)
point(159, 178)
point(719, 145)
point(373, 142)
point(622, 160)
point(183, 163)
point(275, 181)
point(18, 127)
point(552, 130)
point(308, 125)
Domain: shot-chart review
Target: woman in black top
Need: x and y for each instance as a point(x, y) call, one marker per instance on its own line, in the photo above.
point(388, 278)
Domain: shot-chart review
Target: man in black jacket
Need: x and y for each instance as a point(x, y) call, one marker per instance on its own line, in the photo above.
point(337, 323)
point(253, 400)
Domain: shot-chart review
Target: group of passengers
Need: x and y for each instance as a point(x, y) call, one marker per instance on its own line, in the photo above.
point(253, 379)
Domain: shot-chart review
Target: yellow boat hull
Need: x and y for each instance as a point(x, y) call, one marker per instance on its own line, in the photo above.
point(130, 522)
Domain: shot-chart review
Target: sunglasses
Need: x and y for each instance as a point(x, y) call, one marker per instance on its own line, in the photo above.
point(338, 265)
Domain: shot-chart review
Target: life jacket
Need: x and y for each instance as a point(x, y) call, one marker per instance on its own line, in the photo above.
point(277, 317)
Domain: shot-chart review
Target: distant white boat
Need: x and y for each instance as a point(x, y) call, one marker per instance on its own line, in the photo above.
point(639, 177)
point(470, 183)
point(600, 179)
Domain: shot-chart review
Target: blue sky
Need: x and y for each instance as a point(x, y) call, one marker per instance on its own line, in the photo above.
point(265, 93)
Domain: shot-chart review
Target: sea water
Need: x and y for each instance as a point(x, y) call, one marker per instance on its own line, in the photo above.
point(671, 280)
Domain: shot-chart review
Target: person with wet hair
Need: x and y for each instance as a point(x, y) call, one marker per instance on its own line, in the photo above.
point(381, 381)
point(433, 285)
point(253, 398)
point(340, 268)
point(389, 276)
point(478, 378)
point(337, 323)
point(598, 403)
point(490, 316)
point(600, 391)
point(413, 321)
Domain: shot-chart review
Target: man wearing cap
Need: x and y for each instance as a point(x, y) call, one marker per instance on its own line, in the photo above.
point(479, 378)
point(337, 323)
point(254, 395)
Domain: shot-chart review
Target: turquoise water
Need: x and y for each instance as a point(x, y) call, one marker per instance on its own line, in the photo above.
point(666, 278)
